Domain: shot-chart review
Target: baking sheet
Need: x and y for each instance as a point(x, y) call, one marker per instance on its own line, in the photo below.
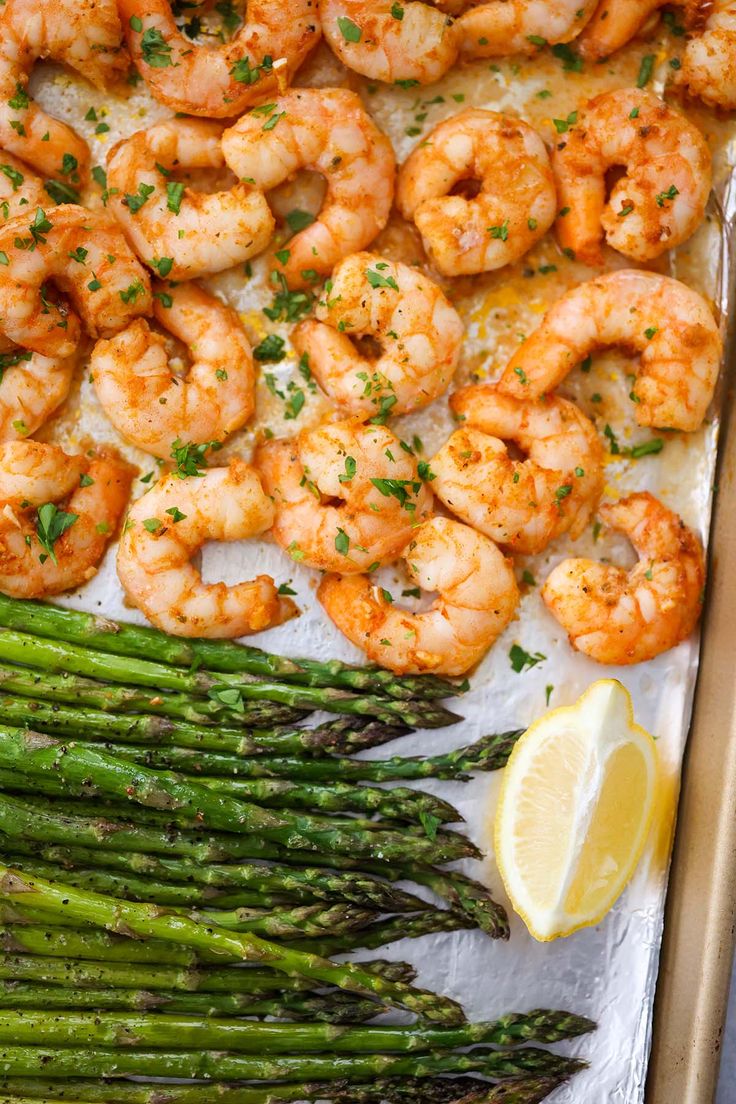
point(608, 972)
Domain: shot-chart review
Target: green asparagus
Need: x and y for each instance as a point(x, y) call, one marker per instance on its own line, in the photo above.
point(148, 921)
point(227, 689)
point(386, 931)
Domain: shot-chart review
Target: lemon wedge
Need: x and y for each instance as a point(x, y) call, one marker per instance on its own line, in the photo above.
point(576, 804)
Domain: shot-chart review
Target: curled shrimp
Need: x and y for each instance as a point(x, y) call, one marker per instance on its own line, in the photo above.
point(709, 63)
point(21, 189)
point(148, 402)
point(616, 22)
point(476, 598)
point(31, 388)
point(220, 81)
point(516, 26)
point(195, 232)
point(83, 34)
point(327, 131)
point(85, 254)
point(521, 504)
point(420, 43)
point(620, 617)
point(666, 325)
point(417, 328)
point(516, 203)
point(168, 525)
point(347, 496)
point(58, 513)
point(660, 200)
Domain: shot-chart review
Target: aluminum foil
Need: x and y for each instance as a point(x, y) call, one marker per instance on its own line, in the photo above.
point(608, 972)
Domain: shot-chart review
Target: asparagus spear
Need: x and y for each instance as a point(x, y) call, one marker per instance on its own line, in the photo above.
point(524, 1090)
point(65, 687)
point(342, 736)
point(148, 921)
point(21, 1061)
point(36, 753)
point(95, 945)
point(386, 931)
point(332, 1009)
point(155, 1031)
point(228, 689)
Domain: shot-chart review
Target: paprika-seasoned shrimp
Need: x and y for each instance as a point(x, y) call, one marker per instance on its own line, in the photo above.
point(617, 616)
point(616, 22)
point(709, 63)
point(418, 329)
point(666, 325)
point(327, 131)
point(21, 189)
point(164, 530)
point(83, 34)
point(477, 596)
point(516, 26)
point(346, 495)
point(421, 44)
point(57, 515)
point(516, 203)
point(522, 504)
point(222, 80)
point(86, 255)
point(660, 200)
point(196, 233)
point(31, 388)
point(149, 402)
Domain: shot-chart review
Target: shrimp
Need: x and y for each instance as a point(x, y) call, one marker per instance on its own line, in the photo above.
point(620, 617)
point(222, 80)
point(516, 203)
point(83, 34)
point(418, 330)
point(391, 42)
point(173, 228)
point(327, 131)
point(169, 525)
point(476, 599)
point(148, 403)
point(21, 189)
point(616, 22)
point(347, 496)
point(660, 200)
point(666, 325)
point(521, 504)
point(58, 513)
point(31, 388)
point(709, 63)
point(86, 255)
point(516, 26)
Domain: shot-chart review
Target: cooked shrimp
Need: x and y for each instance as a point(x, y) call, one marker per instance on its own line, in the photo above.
point(666, 325)
point(516, 26)
point(391, 42)
point(476, 598)
point(620, 617)
point(522, 504)
point(192, 233)
point(327, 131)
point(148, 402)
point(31, 388)
point(21, 189)
point(418, 330)
point(86, 255)
point(83, 34)
point(709, 64)
point(57, 515)
point(660, 200)
point(516, 203)
point(222, 80)
point(169, 525)
point(347, 496)
point(616, 22)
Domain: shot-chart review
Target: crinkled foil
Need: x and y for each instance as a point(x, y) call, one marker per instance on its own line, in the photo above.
point(608, 972)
